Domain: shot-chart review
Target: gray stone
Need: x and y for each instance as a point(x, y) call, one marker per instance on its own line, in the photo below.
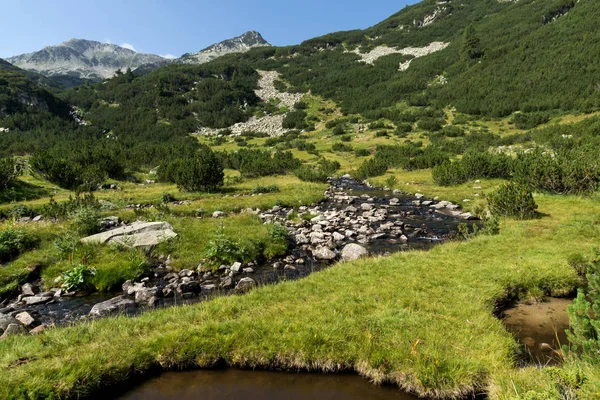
point(25, 318)
point(13, 329)
point(366, 207)
point(5, 321)
point(302, 239)
point(35, 300)
point(218, 214)
point(113, 306)
point(147, 297)
point(353, 251)
point(338, 237)
point(29, 290)
point(227, 283)
point(245, 284)
point(323, 253)
point(189, 287)
point(236, 267)
point(144, 235)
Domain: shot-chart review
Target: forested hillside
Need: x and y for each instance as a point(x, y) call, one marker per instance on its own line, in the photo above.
point(483, 58)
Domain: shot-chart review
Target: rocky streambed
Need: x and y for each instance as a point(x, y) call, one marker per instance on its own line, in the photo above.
point(355, 220)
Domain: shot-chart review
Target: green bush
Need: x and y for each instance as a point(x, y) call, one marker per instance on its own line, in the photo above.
point(512, 200)
point(295, 120)
point(339, 130)
point(403, 128)
point(529, 120)
point(202, 172)
point(317, 173)
point(449, 173)
point(341, 147)
point(265, 189)
point(86, 221)
point(584, 315)
point(9, 171)
point(362, 153)
point(278, 243)
point(381, 134)
point(430, 124)
point(453, 131)
point(14, 241)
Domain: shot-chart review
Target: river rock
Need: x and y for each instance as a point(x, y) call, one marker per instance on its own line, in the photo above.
point(35, 300)
point(25, 318)
point(113, 306)
point(5, 321)
point(38, 329)
point(13, 329)
point(245, 284)
point(323, 253)
point(236, 267)
point(147, 297)
point(29, 290)
point(353, 251)
point(189, 287)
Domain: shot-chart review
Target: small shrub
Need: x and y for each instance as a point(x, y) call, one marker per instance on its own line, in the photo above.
point(529, 120)
point(265, 189)
point(381, 134)
point(341, 147)
point(430, 124)
point(9, 171)
point(295, 120)
point(14, 241)
point(167, 197)
point(453, 131)
point(339, 130)
point(346, 138)
point(86, 221)
point(512, 200)
point(278, 243)
point(301, 105)
point(362, 153)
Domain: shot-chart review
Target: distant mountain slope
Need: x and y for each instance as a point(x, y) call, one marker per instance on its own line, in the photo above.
point(77, 60)
point(238, 44)
point(34, 76)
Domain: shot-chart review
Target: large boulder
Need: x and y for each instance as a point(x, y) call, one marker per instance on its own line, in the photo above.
point(323, 253)
point(113, 306)
point(143, 235)
point(353, 251)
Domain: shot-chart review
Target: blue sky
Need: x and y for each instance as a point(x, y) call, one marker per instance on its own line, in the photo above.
point(179, 26)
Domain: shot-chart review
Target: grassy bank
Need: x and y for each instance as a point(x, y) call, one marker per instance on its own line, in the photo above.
point(420, 320)
point(114, 266)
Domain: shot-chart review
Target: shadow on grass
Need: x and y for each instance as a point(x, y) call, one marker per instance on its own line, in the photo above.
point(22, 191)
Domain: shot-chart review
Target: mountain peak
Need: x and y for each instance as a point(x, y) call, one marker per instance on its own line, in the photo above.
point(238, 44)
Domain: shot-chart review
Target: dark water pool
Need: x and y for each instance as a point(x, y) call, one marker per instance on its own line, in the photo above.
point(540, 328)
point(236, 384)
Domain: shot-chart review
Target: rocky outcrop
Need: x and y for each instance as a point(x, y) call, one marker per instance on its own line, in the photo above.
point(270, 124)
point(238, 44)
point(143, 235)
point(416, 52)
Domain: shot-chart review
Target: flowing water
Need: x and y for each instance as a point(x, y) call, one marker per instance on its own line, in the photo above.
point(236, 384)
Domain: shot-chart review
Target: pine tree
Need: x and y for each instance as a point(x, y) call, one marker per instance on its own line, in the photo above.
point(470, 49)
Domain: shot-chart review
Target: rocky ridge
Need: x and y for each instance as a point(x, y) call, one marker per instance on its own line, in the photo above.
point(270, 124)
